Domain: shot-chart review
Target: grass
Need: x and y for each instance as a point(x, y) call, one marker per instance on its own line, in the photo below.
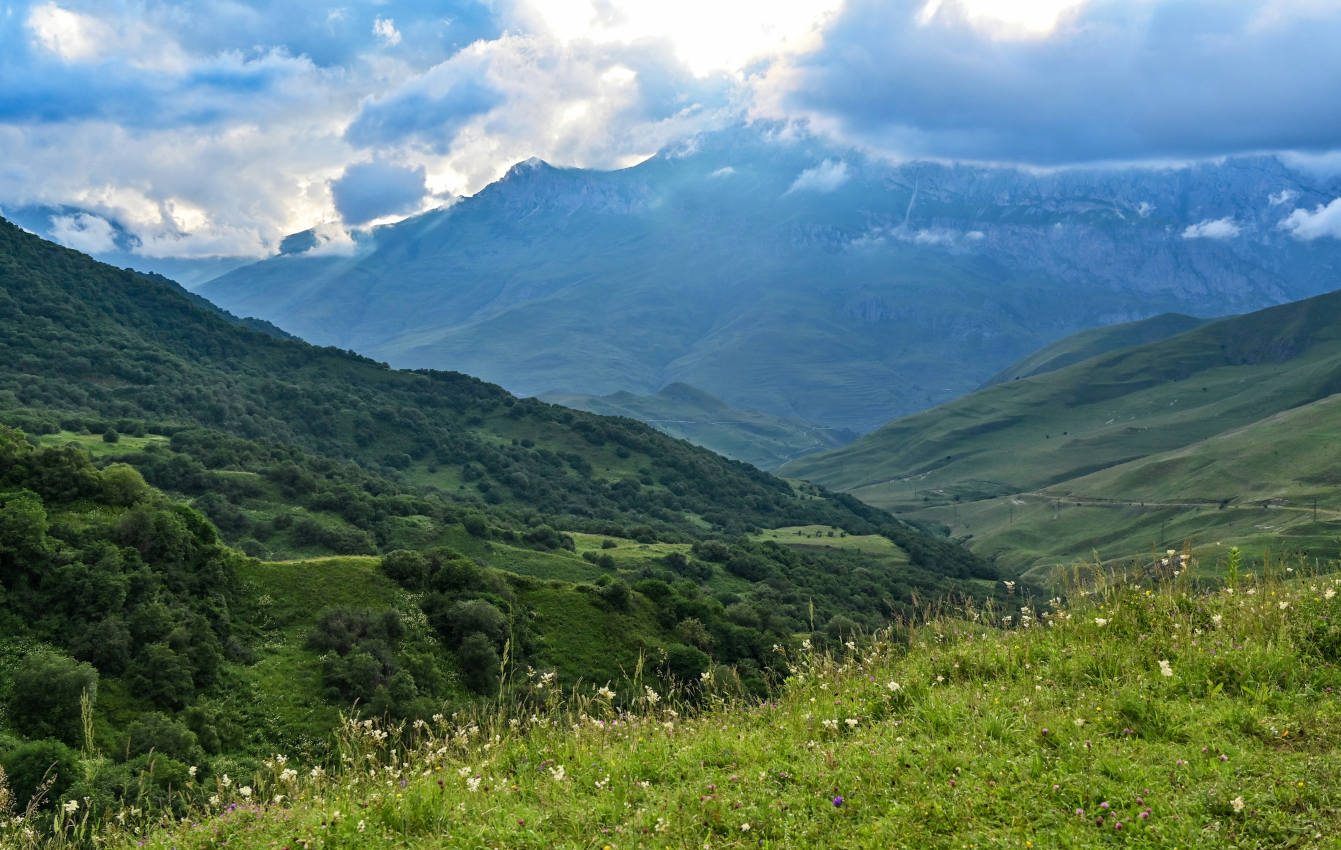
point(95, 445)
point(1135, 715)
point(827, 537)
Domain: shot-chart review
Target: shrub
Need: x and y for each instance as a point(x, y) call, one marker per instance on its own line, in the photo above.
point(27, 766)
point(45, 697)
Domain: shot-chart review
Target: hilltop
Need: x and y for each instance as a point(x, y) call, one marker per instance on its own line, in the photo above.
point(1215, 436)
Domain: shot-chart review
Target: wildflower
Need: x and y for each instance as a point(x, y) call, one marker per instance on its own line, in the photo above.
point(1010, 586)
point(605, 693)
point(71, 807)
point(288, 775)
point(473, 783)
point(1329, 593)
point(1100, 622)
point(192, 771)
point(705, 676)
point(245, 791)
point(317, 772)
point(652, 696)
point(1237, 803)
point(851, 722)
point(1165, 668)
point(226, 781)
point(362, 826)
point(838, 801)
point(557, 772)
point(1216, 618)
point(893, 686)
point(744, 827)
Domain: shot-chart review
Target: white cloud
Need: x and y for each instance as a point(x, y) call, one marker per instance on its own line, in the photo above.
point(385, 29)
point(1323, 221)
point(83, 232)
point(1144, 209)
point(724, 171)
point(825, 177)
point(69, 35)
point(1219, 228)
point(1284, 196)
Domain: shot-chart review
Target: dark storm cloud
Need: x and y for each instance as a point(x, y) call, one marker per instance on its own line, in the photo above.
point(1118, 80)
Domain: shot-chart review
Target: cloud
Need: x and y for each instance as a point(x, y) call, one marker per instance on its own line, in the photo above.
point(83, 232)
point(370, 190)
point(430, 109)
point(825, 177)
point(1284, 196)
point(1115, 80)
point(385, 29)
point(1219, 228)
point(1322, 221)
point(724, 171)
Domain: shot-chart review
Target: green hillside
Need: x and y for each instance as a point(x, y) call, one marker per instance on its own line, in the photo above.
point(1163, 717)
point(1093, 342)
point(705, 420)
point(1150, 441)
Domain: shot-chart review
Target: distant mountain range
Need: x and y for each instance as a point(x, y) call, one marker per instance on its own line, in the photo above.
point(691, 414)
point(1224, 434)
point(785, 275)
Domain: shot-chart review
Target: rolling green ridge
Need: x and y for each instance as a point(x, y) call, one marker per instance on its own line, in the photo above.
point(1218, 435)
point(1093, 342)
point(704, 420)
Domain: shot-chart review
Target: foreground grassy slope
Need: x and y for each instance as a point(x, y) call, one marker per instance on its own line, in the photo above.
point(1138, 716)
point(1156, 431)
point(704, 420)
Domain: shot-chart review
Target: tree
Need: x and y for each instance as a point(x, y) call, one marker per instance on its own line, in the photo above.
point(46, 694)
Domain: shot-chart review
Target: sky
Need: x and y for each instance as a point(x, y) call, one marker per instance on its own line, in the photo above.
point(215, 128)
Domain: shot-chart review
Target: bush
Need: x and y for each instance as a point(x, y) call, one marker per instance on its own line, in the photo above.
point(30, 764)
point(111, 436)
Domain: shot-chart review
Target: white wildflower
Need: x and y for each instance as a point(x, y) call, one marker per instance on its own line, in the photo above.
point(893, 686)
point(605, 693)
point(1100, 622)
point(652, 696)
point(473, 783)
point(852, 722)
point(1165, 668)
point(557, 772)
point(245, 791)
point(71, 806)
point(1237, 803)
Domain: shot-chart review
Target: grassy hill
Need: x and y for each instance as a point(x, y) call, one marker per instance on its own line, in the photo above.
point(1093, 342)
point(1140, 716)
point(705, 420)
point(1216, 434)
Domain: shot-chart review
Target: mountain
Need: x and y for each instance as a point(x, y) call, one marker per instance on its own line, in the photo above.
point(705, 420)
point(1216, 436)
point(785, 275)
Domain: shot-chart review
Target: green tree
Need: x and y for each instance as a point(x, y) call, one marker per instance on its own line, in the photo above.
point(44, 701)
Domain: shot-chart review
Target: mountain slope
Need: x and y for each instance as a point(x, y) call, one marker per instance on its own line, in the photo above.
point(705, 420)
point(1093, 342)
point(1192, 438)
point(884, 291)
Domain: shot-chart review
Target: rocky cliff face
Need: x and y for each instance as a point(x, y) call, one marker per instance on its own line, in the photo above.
point(795, 278)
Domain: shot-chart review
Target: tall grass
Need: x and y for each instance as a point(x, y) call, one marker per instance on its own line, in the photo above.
point(1139, 712)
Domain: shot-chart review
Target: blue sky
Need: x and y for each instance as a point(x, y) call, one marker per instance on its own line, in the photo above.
point(216, 128)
